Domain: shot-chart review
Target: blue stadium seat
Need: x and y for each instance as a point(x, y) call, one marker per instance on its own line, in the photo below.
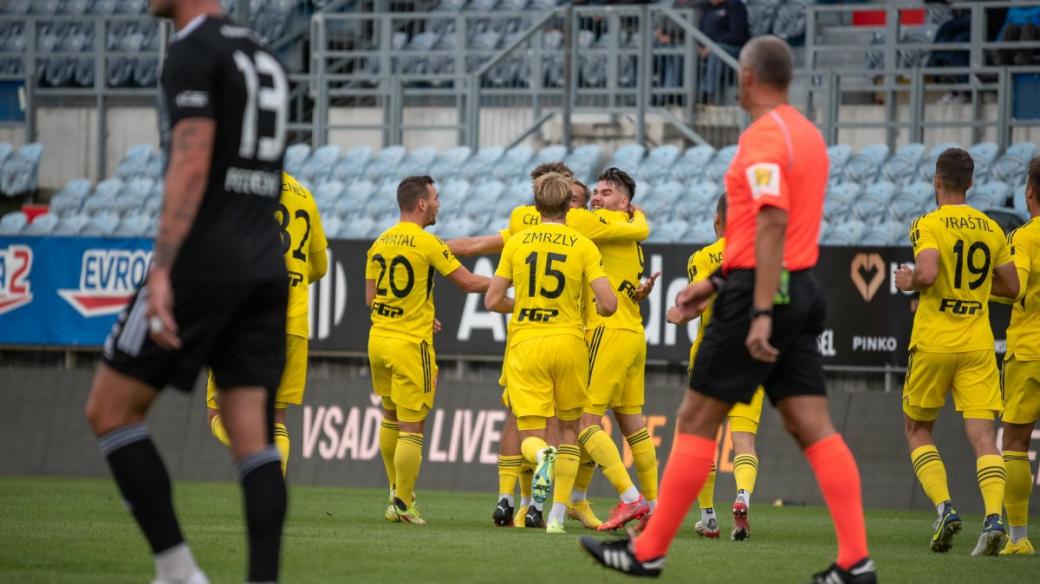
point(135, 162)
point(295, 157)
point(156, 165)
point(133, 225)
point(1019, 202)
point(418, 162)
point(103, 224)
point(146, 71)
point(704, 193)
point(6, 150)
point(720, 163)
point(18, 6)
point(353, 164)
point(989, 195)
point(483, 196)
point(120, 72)
point(702, 232)
point(692, 163)
point(327, 194)
point(359, 192)
point(42, 225)
point(134, 195)
point(109, 187)
point(837, 157)
point(21, 170)
point(553, 153)
point(584, 160)
point(872, 205)
point(1011, 167)
point(837, 206)
point(926, 171)
point(72, 224)
point(628, 158)
point(13, 223)
point(669, 191)
point(384, 164)
point(659, 162)
point(320, 165)
point(864, 166)
point(453, 194)
point(482, 162)
point(70, 198)
point(886, 233)
point(449, 162)
point(669, 232)
point(513, 162)
point(984, 154)
point(902, 167)
point(846, 233)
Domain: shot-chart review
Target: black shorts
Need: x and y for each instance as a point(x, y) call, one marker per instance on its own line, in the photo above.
point(724, 369)
point(238, 330)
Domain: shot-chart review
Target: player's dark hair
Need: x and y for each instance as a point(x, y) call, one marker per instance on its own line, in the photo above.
point(720, 207)
point(411, 189)
point(1033, 177)
point(552, 194)
point(954, 168)
point(584, 189)
point(551, 167)
point(770, 59)
point(619, 178)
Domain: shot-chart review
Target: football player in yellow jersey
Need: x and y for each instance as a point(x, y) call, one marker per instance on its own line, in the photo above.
point(547, 370)
point(960, 257)
point(743, 418)
point(1021, 375)
point(303, 240)
point(399, 289)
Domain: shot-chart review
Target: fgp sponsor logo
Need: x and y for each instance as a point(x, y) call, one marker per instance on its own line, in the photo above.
point(868, 273)
point(384, 309)
point(537, 314)
point(960, 307)
point(107, 280)
point(15, 266)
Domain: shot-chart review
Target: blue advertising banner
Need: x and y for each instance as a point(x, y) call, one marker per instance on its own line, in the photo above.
point(66, 290)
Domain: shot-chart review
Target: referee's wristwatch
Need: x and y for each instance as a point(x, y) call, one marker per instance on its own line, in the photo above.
point(758, 312)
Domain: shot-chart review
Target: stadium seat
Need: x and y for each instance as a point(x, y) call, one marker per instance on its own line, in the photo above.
point(984, 155)
point(658, 164)
point(135, 162)
point(871, 206)
point(926, 171)
point(656, 209)
point(5, 152)
point(837, 206)
point(837, 157)
point(989, 195)
point(134, 195)
point(484, 195)
point(417, 162)
point(1008, 219)
point(20, 171)
point(1019, 202)
point(133, 225)
point(153, 205)
point(41, 225)
point(584, 160)
point(70, 197)
point(1011, 167)
point(453, 193)
point(295, 157)
point(352, 165)
point(692, 163)
point(359, 192)
point(513, 163)
point(448, 162)
point(327, 194)
point(718, 166)
point(669, 191)
point(702, 232)
point(902, 167)
point(321, 163)
point(103, 224)
point(72, 224)
point(669, 232)
point(553, 153)
point(911, 201)
point(628, 158)
point(847, 233)
point(886, 233)
point(482, 162)
point(13, 223)
point(864, 166)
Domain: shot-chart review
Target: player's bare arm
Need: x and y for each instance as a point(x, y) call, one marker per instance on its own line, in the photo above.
point(467, 281)
point(495, 299)
point(476, 245)
point(1006, 282)
point(691, 301)
point(606, 300)
point(191, 152)
point(923, 274)
point(370, 292)
point(319, 266)
point(769, 253)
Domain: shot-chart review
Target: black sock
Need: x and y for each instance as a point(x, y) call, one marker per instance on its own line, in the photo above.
point(264, 496)
point(139, 471)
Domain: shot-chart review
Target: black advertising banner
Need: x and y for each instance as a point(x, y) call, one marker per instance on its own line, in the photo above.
point(868, 319)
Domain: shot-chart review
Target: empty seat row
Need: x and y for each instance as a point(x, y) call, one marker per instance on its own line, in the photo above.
point(19, 169)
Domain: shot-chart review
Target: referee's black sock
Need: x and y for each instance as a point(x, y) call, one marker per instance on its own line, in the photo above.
point(142, 478)
point(264, 495)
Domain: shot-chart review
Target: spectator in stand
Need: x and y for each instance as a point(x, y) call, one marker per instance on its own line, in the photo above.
point(955, 30)
point(725, 22)
point(1022, 24)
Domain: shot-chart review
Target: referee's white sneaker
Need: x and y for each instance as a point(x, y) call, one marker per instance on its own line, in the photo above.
point(197, 577)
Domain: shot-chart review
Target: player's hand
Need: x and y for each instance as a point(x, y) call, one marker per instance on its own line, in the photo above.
point(758, 340)
point(633, 209)
point(437, 326)
point(161, 325)
point(646, 286)
point(676, 316)
point(904, 278)
point(696, 294)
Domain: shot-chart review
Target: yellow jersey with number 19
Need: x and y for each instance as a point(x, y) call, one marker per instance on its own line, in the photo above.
point(702, 264)
point(1023, 334)
point(549, 265)
point(953, 314)
point(302, 237)
point(401, 262)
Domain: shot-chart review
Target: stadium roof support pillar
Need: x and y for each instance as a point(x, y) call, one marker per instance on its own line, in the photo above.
point(643, 97)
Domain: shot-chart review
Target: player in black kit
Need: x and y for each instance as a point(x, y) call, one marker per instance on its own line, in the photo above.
point(216, 294)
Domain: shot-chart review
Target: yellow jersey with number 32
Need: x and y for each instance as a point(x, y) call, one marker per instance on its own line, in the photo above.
point(549, 265)
point(702, 264)
point(1023, 334)
point(953, 314)
point(401, 262)
point(302, 237)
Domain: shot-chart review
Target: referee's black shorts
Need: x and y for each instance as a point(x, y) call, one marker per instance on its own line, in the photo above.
point(724, 369)
point(236, 329)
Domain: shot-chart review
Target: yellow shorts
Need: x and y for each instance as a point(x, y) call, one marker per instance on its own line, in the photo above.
point(404, 374)
point(294, 376)
point(548, 376)
point(617, 362)
point(1020, 385)
point(745, 417)
point(972, 376)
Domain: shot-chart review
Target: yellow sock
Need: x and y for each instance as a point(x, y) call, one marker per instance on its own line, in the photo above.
point(745, 472)
point(646, 462)
point(706, 498)
point(565, 471)
point(530, 447)
point(281, 442)
point(407, 459)
point(603, 450)
point(508, 473)
point(388, 432)
point(217, 427)
point(1019, 487)
point(992, 479)
point(586, 468)
point(526, 477)
point(931, 472)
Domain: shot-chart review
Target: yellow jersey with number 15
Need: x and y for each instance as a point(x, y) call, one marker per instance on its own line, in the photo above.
point(549, 265)
point(953, 314)
point(302, 237)
point(401, 263)
point(1023, 334)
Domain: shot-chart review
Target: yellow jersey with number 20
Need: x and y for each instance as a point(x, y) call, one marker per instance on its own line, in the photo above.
point(953, 314)
point(550, 265)
point(302, 237)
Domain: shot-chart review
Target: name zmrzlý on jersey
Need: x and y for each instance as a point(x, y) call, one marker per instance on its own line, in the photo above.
point(107, 280)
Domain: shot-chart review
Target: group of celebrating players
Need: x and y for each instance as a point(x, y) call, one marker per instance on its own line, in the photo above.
point(217, 297)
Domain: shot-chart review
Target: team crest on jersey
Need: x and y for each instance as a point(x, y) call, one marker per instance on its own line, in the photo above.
point(15, 267)
point(764, 179)
point(107, 280)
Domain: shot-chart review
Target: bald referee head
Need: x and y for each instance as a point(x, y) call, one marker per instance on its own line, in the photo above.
point(766, 69)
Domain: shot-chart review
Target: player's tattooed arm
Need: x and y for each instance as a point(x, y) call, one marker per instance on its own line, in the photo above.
point(191, 153)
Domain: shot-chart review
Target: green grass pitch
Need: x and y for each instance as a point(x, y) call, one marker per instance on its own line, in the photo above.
point(58, 530)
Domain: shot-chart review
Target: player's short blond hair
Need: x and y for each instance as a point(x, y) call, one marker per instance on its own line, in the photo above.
point(552, 194)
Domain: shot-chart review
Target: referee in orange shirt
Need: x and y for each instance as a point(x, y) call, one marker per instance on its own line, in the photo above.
point(769, 311)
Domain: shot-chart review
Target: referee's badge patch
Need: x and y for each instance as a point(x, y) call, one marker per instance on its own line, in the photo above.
point(764, 179)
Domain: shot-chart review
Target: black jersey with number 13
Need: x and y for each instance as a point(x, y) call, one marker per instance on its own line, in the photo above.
point(218, 70)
